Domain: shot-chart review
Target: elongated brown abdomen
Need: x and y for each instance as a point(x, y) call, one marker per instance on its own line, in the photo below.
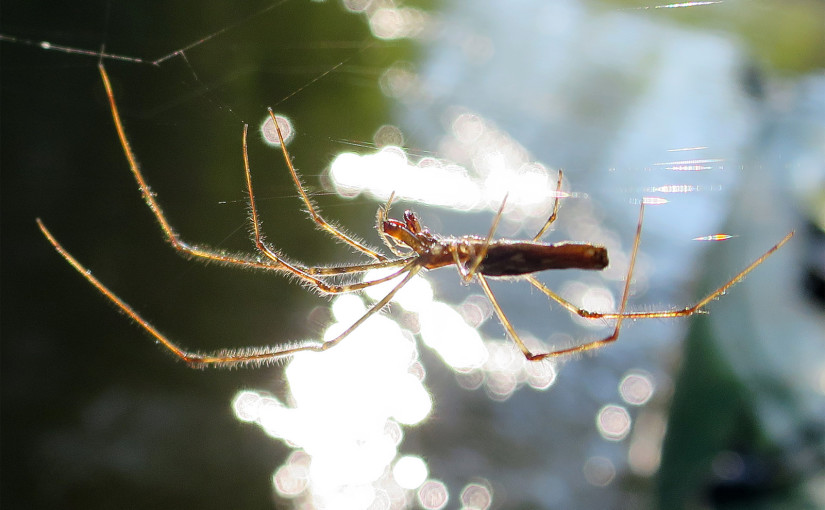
point(523, 257)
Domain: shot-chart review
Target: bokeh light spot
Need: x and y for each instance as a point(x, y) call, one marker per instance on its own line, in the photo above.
point(388, 135)
point(246, 405)
point(410, 471)
point(540, 374)
point(599, 471)
point(613, 422)
point(270, 134)
point(476, 496)
point(433, 495)
point(290, 481)
point(458, 344)
point(636, 388)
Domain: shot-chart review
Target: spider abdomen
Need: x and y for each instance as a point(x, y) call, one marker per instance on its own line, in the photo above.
point(513, 258)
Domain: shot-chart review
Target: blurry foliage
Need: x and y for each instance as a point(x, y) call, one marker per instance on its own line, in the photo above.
point(788, 37)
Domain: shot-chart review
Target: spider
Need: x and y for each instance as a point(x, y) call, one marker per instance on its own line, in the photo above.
point(416, 249)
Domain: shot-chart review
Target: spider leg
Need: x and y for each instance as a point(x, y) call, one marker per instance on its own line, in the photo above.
point(311, 209)
point(226, 357)
point(666, 314)
point(580, 348)
point(181, 246)
point(508, 326)
point(333, 271)
point(467, 274)
point(620, 317)
point(555, 213)
point(306, 273)
point(212, 255)
point(412, 270)
point(380, 217)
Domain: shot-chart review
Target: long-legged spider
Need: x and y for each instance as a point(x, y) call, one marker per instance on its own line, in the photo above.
point(476, 258)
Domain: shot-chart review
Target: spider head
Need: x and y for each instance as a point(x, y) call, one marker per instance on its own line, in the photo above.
point(408, 233)
point(400, 233)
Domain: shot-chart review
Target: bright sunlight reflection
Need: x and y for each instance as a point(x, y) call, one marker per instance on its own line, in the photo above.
point(499, 167)
point(345, 407)
point(348, 404)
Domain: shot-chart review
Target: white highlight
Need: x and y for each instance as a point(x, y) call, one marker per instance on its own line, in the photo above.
point(499, 167)
point(410, 472)
point(347, 404)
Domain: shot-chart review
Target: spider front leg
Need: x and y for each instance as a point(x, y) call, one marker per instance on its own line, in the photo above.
point(179, 245)
point(382, 216)
point(307, 273)
point(311, 209)
point(232, 357)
